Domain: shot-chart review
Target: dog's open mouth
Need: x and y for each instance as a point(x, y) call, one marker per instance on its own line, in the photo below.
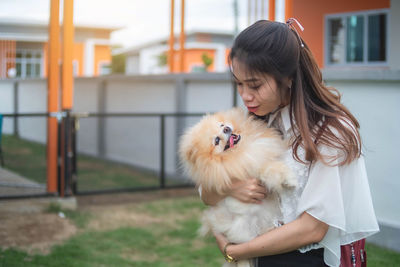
point(233, 140)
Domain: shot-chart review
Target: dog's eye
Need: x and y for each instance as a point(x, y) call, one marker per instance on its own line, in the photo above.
point(221, 125)
point(217, 141)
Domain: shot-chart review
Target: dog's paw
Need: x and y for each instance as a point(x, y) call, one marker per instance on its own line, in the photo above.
point(277, 176)
point(204, 230)
point(290, 180)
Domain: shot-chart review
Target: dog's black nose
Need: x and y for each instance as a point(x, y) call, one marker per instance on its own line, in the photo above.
point(227, 129)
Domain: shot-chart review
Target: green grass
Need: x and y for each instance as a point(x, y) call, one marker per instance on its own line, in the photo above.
point(378, 256)
point(25, 157)
point(173, 242)
point(94, 173)
point(29, 160)
point(121, 247)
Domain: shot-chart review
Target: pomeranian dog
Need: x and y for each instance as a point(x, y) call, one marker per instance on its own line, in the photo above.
point(233, 145)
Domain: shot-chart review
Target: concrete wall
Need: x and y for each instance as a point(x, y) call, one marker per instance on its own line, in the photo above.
point(372, 96)
point(7, 104)
point(32, 98)
point(132, 64)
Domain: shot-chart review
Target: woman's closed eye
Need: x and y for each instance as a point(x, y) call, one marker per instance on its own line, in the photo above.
point(255, 86)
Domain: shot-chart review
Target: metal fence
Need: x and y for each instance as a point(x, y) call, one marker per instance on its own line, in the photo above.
point(18, 182)
point(84, 172)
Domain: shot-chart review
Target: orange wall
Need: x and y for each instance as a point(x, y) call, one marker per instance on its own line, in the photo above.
point(76, 55)
point(7, 49)
point(101, 53)
point(310, 14)
point(227, 51)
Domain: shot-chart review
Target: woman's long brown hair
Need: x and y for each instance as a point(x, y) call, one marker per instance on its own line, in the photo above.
point(316, 113)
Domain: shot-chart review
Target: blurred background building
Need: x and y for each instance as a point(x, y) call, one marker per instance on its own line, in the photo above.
point(341, 34)
point(350, 33)
point(24, 43)
point(204, 51)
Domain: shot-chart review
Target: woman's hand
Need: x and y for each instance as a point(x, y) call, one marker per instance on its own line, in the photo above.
point(221, 241)
point(248, 191)
point(303, 231)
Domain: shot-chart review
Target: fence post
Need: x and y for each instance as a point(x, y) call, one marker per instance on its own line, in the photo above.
point(67, 156)
point(74, 144)
point(101, 121)
point(162, 151)
point(16, 108)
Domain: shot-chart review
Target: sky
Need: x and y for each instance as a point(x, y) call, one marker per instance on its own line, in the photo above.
point(141, 20)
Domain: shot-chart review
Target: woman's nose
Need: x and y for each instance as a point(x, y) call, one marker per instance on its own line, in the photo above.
point(245, 94)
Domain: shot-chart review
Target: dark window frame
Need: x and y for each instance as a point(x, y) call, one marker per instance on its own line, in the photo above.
point(365, 58)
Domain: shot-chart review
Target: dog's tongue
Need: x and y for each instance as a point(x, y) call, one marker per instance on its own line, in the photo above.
point(231, 141)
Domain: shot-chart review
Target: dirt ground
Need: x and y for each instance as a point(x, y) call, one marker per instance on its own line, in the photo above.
point(36, 231)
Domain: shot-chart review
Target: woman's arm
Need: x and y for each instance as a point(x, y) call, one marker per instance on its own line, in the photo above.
point(303, 231)
point(248, 191)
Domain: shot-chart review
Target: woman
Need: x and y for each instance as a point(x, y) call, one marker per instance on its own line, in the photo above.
point(280, 82)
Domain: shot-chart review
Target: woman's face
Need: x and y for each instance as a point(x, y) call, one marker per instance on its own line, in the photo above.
point(259, 92)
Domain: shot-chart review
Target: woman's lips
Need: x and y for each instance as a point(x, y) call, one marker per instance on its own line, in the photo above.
point(252, 109)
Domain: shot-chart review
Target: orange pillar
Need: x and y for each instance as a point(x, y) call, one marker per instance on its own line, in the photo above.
point(271, 10)
point(68, 46)
point(171, 39)
point(67, 86)
point(288, 9)
point(182, 38)
point(53, 80)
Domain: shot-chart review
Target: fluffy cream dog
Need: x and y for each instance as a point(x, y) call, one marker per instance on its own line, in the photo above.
point(232, 145)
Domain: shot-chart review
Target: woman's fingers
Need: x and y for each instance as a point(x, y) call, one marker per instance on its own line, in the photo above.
point(261, 190)
point(258, 189)
point(258, 196)
point(249, 191)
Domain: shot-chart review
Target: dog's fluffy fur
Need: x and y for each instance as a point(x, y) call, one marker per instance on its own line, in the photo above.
point(232, 145)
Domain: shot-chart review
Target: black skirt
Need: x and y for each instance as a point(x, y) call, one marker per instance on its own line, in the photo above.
point(312, 258)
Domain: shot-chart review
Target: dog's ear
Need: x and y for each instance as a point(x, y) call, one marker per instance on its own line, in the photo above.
point(186, 148)
point(189, 153)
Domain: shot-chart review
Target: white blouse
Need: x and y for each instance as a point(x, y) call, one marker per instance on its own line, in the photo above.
point(338, 196)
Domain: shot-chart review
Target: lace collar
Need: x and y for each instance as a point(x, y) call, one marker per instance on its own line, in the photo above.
point(280, 117)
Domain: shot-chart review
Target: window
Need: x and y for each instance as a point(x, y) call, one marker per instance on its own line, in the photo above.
point(356, 38)
point(104, 68)
point(28, 63)
point(75, 68)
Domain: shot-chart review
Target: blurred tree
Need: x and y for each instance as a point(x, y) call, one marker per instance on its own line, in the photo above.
point(118, 63)
point(162, 59)
point(207, 61)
